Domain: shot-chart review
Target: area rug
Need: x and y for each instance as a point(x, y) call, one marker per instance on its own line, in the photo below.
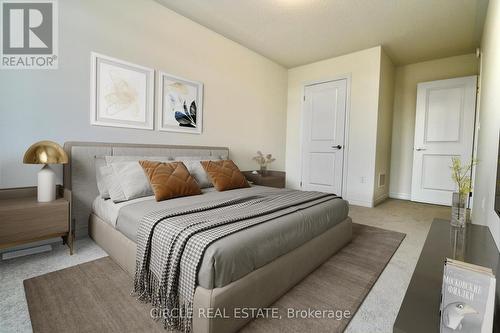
point(95, 296)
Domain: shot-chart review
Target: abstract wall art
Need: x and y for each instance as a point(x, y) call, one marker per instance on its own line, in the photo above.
point(180, 104)
point(122, 93)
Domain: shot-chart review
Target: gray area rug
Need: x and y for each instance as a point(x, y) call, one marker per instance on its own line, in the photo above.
point(95, 296)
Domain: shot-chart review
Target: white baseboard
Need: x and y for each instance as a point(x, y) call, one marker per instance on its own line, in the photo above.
point(401, 196)
point(360, 203)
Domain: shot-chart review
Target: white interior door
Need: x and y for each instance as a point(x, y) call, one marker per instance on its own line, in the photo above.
point(323, 136)
point(444, 128)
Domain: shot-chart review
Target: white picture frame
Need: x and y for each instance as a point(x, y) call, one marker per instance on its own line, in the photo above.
point(172, 100)
point(121, 93)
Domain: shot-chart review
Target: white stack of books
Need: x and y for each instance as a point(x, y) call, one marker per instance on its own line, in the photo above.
point(468, 298)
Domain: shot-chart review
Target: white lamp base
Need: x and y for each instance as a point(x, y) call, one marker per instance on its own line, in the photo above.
point(46, 184)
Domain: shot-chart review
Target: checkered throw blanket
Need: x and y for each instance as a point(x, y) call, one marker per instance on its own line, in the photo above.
point(171, 243)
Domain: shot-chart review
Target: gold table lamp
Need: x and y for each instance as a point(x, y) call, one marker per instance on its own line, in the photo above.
point(46, 152)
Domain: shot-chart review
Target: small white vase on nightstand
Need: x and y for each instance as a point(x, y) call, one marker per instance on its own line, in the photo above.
point(46, 184)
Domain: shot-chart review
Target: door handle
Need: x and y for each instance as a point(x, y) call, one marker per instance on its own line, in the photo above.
point(420, 148)
point(337, 147)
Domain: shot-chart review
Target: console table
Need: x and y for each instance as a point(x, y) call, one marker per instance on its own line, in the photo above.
point(474, 244)
point(271, 179)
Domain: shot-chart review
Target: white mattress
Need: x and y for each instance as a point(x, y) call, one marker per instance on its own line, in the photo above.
point(108, 211)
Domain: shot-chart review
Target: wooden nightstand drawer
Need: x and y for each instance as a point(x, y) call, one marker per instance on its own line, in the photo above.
point(25, 219)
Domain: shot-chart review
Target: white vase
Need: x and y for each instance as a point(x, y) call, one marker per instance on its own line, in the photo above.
point(46, 191)
point(263, 170)
point(458, 210)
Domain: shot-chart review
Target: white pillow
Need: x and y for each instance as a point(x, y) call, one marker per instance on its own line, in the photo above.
point(111, 184)
point(101, 184)
point(196, 170)
point(126, 181)
point(107, 179)
point(133, 181)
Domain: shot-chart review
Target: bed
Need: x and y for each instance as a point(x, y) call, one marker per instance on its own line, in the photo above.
point(235, 271)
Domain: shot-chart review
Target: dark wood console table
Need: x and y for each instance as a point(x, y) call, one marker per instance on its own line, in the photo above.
point(419, 311)
point(271, 179)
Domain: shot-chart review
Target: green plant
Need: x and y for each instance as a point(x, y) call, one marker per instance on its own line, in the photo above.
point(461, 175)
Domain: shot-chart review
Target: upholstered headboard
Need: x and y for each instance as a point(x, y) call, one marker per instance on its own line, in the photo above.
point(80, 172)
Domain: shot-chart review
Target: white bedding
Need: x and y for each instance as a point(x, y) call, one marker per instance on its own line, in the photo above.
point(108, 210)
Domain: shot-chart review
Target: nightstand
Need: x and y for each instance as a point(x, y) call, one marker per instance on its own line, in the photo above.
point(271, 179)
point(24, 220)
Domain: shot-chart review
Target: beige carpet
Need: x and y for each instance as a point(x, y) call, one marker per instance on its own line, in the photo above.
point(94, 297)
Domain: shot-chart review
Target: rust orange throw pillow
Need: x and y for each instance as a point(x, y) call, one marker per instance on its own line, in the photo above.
point(225, 175)
point(170, 180)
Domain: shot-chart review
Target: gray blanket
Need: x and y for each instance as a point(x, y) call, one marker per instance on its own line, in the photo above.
point(170, 245)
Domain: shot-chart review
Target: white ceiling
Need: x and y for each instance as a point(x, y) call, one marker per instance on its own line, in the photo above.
point(296, 32)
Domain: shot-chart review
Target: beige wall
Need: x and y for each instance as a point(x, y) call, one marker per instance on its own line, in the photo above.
point(405, 96)
point(245, 93)
point(364, 69)
point(384, 127)
point(489, 121)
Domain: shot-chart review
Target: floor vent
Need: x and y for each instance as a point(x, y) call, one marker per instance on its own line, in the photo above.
point(26, 252)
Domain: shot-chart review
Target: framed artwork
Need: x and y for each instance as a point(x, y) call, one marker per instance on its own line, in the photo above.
point(180, 104)
point(121, 93)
